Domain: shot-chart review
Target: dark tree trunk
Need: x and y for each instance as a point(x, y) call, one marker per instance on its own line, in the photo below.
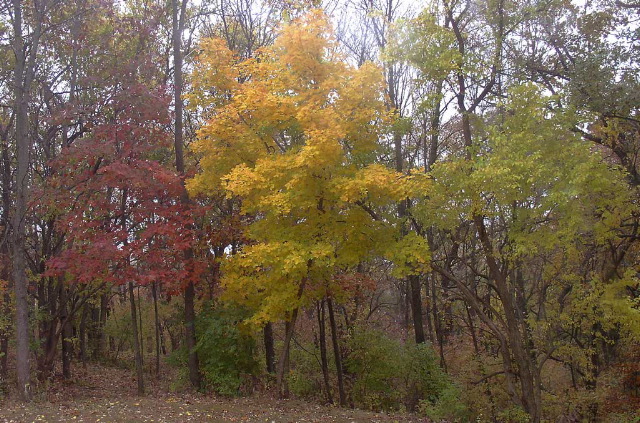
point(140, 331)
point(67, 333)
point(283, 362)
point(416, 308)
point(154, 290)
point(336, 353)
point(427, 295)
point(269, 350)
point(136, 341)
point(48, 335)
point(324, 362)
point(179, 10)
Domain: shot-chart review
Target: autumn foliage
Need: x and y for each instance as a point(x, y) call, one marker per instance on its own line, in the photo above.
point(430, 208)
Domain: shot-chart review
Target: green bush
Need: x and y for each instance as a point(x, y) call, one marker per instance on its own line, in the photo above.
point(387, 374)
point(227, 355)
point(376, 372)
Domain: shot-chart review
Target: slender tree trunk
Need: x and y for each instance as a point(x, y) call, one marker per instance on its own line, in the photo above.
point(67, 332)
point(283, 361)
point(179, 11)
point(324, 362)
point(140, 331)
point(427, 295)
point(336, 353)
point(269, 351)
point(416, 308)
point(413, 297)
point(136, 341)
point(154, 290)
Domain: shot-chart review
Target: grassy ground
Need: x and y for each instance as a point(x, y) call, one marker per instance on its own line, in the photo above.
point(105, 394)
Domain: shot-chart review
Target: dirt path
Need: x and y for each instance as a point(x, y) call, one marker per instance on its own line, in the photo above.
point(102, 394)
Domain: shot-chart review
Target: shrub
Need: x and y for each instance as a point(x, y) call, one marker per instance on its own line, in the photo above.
point(226, 353)
point(387, 374)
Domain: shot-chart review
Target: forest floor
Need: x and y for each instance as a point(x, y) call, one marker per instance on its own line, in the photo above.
point(107, 394)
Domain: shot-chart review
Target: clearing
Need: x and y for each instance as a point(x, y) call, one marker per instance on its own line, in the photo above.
point(107, 394)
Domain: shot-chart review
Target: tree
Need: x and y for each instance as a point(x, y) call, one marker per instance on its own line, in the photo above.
point(24, 73)
point(179, 9)
point(294, 135)
point(479, 246)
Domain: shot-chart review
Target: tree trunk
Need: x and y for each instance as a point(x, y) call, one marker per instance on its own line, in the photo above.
point(154, 290)
point(23, 75)
point(336, 353)
point(283, 361)
point(427, 295)
point(140, 331)
point(179, 11)
point(67, 332)
point(416, 308)
point(136, 341)
point(269, 351)
point(324, 362)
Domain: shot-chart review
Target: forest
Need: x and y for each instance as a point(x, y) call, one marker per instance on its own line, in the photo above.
point(424, 208)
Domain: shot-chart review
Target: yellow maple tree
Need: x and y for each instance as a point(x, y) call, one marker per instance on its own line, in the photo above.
point(294, 133)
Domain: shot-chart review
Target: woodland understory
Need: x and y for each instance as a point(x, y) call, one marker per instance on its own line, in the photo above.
point(423, 208)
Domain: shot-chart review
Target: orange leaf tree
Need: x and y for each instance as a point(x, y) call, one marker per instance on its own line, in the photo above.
point(294, 133)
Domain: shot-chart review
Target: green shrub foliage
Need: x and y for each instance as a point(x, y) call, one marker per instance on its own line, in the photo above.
point(227, 355)
point(387, 374)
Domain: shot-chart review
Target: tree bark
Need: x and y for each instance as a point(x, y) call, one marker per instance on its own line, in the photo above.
point(269, 351)
point(154, 290)
point(136, 341)
point(283, 361)
point(23, 76)
point(67, 333)
point(324, 362)
point(179, 11)
point(336, 353)
point(416, 308)
point(140, 331)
